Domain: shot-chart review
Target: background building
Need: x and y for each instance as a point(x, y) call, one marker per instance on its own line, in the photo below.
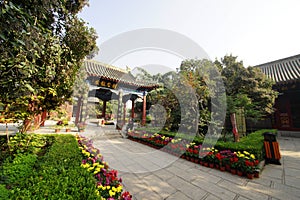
point(286, 74)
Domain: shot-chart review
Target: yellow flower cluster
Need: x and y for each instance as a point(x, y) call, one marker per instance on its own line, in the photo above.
point(86, 165)
point(84, 152)
point(245, 155)
point(111, 190)
point(94, 150)
point(176, 140)
point(191, 144)
point(214, 150)
point(98, 167)
point(154, 135)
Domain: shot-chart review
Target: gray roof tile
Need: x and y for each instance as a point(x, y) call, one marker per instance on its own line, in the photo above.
point(109, 72)
point(286, 70)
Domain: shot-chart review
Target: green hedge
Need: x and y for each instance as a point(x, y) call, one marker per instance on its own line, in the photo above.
point(4, 193)
point(252, 143)
point(20, 169)
point(56, 175)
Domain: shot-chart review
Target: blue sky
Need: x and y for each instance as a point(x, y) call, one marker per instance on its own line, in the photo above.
point(255, 31)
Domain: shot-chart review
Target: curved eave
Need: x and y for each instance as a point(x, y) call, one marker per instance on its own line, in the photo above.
point(119, 81)
point(283, 71)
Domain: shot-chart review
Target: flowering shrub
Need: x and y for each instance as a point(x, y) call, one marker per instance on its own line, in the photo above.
point(247, 162)
point(108, 184)
point(224, 157)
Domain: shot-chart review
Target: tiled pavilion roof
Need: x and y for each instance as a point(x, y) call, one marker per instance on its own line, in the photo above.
point(283, 71)
point(109, 72)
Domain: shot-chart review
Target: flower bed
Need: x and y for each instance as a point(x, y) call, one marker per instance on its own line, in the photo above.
point(52, 167)
point(243, 162)
point(108, 184)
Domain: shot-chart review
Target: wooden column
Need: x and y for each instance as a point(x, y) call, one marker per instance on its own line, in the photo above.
point(144, 109)
point(78, 111)
point(132, 109)
point(124, 114)
point(119, 113)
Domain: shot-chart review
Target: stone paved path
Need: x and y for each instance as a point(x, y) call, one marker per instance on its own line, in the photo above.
point(150, 174)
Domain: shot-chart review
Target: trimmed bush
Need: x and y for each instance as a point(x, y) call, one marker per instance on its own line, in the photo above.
point(57, 175)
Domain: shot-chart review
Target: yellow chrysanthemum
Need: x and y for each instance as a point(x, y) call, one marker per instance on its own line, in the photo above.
point(95, 164)
point(100, 187)
point(252, 156)
point(87, 165)
point(90, 169)
point(119, 188)
point(114, 189)
point(111, 193)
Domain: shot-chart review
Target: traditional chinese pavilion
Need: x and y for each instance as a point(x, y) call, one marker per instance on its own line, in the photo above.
point(108, 82)
point(286, 74)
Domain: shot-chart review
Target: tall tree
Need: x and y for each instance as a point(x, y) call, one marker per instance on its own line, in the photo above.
point(246, 88)
point(42, 46)
point(198, 77)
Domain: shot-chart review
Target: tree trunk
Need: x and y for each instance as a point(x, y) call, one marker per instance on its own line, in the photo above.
point(26, 125)
point(234, 128)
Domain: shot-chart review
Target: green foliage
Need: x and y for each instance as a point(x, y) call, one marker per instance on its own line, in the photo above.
point(20, 169)
point(43, 44)
point(55, 175)
point(4, 193)
point(28, 143)
point(195, 77)
point(247, 88)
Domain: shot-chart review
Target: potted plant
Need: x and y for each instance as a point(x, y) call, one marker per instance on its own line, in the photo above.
point(233, 164)
point(69, 127)
point(58, 126)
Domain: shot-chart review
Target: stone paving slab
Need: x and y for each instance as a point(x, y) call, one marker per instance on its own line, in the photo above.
point(176, 178)
point(178, 195)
